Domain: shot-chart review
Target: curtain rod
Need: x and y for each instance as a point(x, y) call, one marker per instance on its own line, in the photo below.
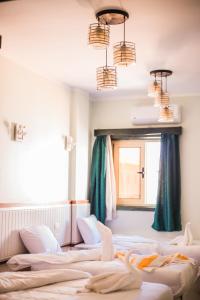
point(138, 131)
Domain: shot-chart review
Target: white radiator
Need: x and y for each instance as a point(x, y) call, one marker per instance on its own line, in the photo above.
point(56, 217)
point(79, 210)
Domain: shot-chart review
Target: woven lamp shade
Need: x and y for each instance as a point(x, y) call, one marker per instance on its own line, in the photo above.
point(162, 100)
point(106, 78)
point(154, 89)
point(99, 35)
point(124, 53)
point(166, 115)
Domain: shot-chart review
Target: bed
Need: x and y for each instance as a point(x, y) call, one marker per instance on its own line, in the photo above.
point(68, 289)
point(147, 246)
point(88, 230)
point(179, 277)
point(58, 292)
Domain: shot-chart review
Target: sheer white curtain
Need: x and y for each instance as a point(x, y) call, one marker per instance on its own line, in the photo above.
point(111, 195)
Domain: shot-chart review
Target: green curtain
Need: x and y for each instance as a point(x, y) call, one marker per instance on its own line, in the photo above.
point(97, 192)
point(167, 215)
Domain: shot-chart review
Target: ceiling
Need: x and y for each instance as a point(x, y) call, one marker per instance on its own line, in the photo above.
point(49, 37)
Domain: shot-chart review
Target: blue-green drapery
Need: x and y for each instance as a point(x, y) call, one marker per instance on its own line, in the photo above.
point(97, 193)
point(167, 215)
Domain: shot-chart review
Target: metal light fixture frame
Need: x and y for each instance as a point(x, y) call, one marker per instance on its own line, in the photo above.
point(112, 16)
point(99, 35)
point(105, 18)
point(166, 115)
point(124, 53)
point(109, 17)
point(161, 73)
point(154, 88)
point(162, 98)
point(106, 76)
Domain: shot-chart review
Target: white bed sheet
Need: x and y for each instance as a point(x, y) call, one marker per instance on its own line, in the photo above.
point(179, 277)
point(124, 242)
point(132, 238)
point(60, 291)
point(143, 245)
point(192, 251)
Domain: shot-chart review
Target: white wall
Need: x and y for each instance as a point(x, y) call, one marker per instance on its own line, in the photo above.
point(36, 170)
point(116, 114)
point(79, 130)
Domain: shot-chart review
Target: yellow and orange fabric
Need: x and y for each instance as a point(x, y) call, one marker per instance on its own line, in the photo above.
point(154, 261)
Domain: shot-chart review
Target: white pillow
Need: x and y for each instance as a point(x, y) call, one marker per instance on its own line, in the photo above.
point(39, 239)
point(88, 229)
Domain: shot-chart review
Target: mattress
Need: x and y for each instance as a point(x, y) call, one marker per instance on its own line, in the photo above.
point(60, 291)
point(179, 277)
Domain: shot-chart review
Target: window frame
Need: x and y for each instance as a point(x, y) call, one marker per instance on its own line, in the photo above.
point(128, 205)
point(128, 144)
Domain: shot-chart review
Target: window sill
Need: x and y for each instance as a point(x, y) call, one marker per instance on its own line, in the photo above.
point(135, 208)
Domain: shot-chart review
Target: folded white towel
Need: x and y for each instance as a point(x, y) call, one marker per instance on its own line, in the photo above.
point(184, 240)
point(188, 238)
point(115, 281)
point(106, 242)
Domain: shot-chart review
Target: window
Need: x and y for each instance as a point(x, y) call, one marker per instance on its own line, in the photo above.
point(136, 165)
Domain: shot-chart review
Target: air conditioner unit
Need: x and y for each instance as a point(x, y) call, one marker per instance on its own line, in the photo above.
point(149, 115)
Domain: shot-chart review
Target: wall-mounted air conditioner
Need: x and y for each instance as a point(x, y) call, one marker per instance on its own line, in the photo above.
point(149, 115)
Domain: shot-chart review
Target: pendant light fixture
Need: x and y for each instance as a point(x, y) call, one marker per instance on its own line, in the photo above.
point(161, 96)
point(166, 115)
point(159, 90)
point(106, 77)
point(154, 88)
point(124, 52)
point(161, 99)
point(99, 35)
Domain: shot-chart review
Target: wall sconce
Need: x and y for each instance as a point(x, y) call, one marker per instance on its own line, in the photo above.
point(19, 131)
point(69, 143)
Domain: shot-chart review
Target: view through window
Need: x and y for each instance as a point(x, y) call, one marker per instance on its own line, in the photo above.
point(136, 165)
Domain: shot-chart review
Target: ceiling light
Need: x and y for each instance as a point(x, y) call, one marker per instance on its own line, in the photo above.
point(106, 77)
point(154, 89)
point(124, 52)
point(160, 89)
point(99, 35)
point(112, 16)
point(166, 115)
point(161, 99)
